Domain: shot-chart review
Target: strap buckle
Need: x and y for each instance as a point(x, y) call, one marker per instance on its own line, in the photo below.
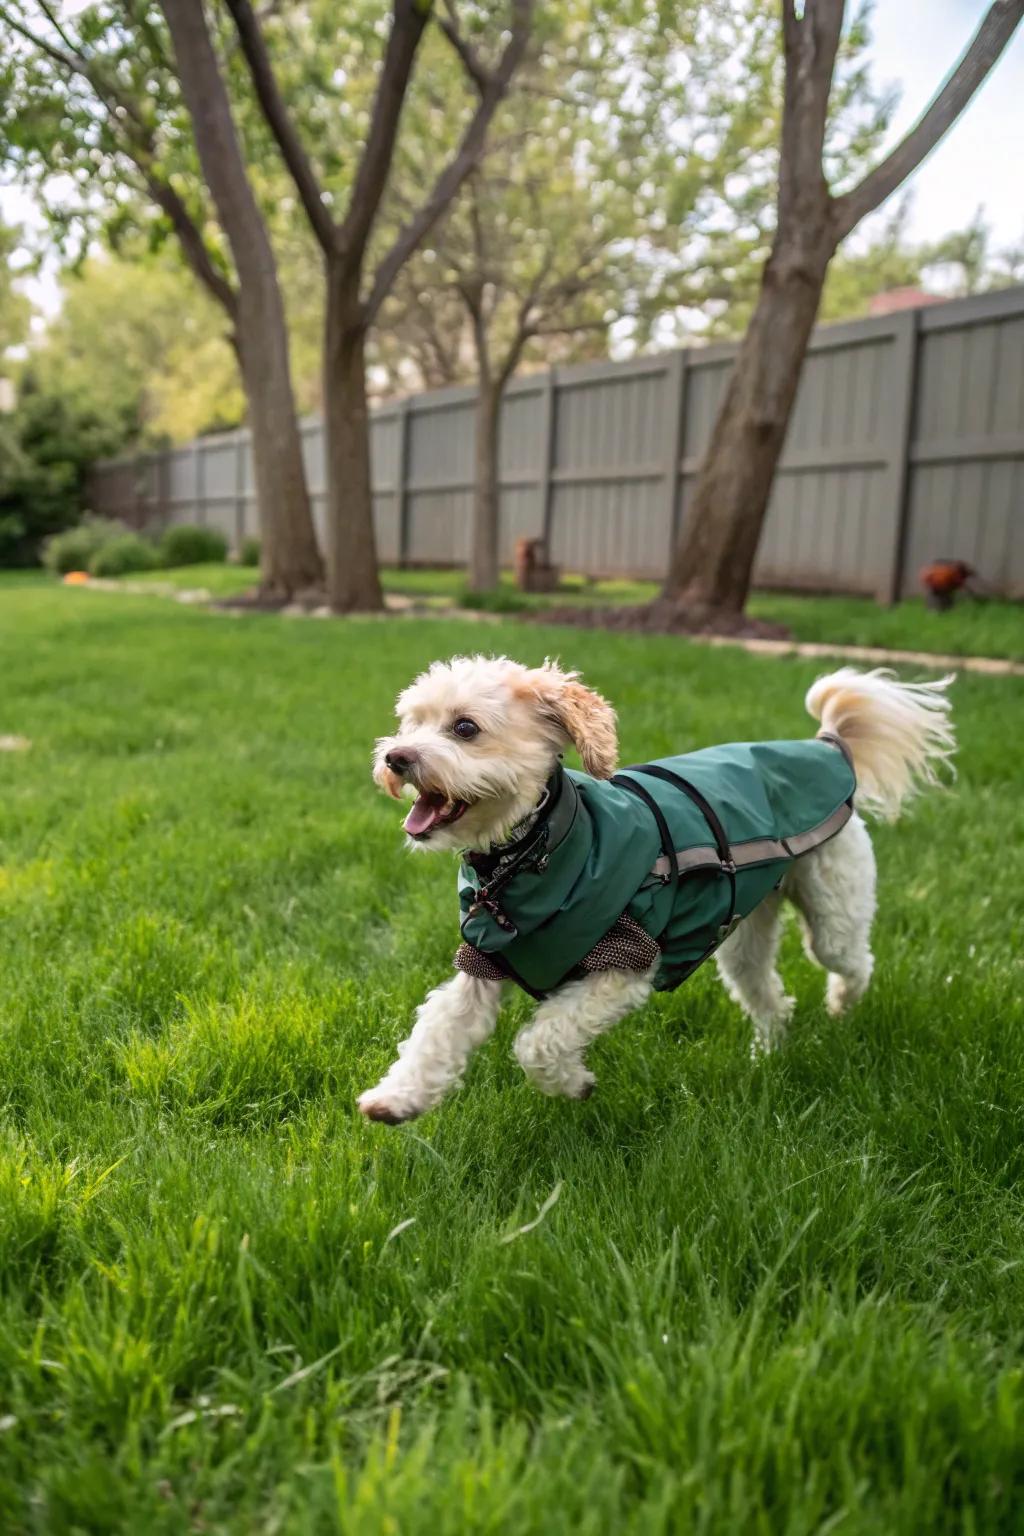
point(486, 903)
point(730, 927)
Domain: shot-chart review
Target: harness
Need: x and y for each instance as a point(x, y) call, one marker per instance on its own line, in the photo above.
point(686, 847)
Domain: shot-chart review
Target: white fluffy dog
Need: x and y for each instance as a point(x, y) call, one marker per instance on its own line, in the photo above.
point(477, 742)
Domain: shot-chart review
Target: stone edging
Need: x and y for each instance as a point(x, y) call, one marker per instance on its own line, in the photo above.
point(401, 606)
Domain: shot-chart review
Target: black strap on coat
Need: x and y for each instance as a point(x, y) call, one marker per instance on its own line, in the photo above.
point(656, 771)
point(667, 843)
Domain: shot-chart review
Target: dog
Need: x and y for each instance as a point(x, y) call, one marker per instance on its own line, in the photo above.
point(479, 746)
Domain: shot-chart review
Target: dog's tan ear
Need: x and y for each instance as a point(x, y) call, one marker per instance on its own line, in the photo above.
point(587, 719)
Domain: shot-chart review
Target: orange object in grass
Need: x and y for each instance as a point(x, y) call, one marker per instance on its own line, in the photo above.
point(76, 578)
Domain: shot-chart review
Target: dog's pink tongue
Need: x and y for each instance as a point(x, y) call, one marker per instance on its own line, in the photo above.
point(424, 814)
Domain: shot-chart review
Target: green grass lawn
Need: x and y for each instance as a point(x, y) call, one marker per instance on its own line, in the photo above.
point(785, 1297)
point(970, 629)
point(220, 580)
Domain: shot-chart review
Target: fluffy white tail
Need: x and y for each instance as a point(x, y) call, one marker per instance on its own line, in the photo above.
point(900, 734)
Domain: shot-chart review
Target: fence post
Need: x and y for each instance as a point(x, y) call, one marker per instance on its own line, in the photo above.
point(163, 490)
point(402, 480)
point(897, 475)
point(240, 532)
point(675, 427)
point(138, 471)
point(152, 470)
point(199, 482)
point(548, 407)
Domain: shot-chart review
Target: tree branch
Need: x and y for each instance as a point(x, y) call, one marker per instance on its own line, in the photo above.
point(57, 55)
point(55, 24)
point(466, 157)
point(471, 62)
point(520, 336)
point(144, 20)
point(1001, 21)
point(407, 27)
point(140, 152)
point(570, 327)
point(481, 340)
point(477, 228)
point(279, 120)
point(190, 238)
point(810, 44)
point(78, 63)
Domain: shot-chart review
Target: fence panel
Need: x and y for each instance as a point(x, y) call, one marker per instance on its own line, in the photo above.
point(439, 477)
point(829, 523)
point(966, 476)
point(386, 471)
point(521, 462)
point(609, 513)
point(907, 442)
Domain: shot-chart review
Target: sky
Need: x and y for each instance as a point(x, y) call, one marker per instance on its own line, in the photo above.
point(980, 163)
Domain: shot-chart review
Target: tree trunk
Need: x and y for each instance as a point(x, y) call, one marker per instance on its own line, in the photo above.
point(713, 561)
point(483, 560)
point(290, 560)
point(353, 582)
point(712, 564)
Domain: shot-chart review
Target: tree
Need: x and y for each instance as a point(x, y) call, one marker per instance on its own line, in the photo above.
point(260, 336)
point(976, 266)
point(141, 337)
point(538, 267)
point(97, 98)
point(356, 288)
point(550, 242)
point(529, 253)
point(888, 260)
point(14, 306)
point(720, 122)
point(711, 567)
point(961, 263)
point(421, 341)
point(602, 205)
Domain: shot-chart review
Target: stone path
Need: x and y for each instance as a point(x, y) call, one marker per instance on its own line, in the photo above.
point(995, 666)
point(400, 605)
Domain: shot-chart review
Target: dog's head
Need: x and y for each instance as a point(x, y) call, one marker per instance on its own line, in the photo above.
point(478, 737)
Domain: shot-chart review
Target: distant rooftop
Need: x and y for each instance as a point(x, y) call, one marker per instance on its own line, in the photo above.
point(895, 299)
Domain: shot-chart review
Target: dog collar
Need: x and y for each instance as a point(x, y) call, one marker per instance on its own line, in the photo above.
point(550, 819)
point(531, 850)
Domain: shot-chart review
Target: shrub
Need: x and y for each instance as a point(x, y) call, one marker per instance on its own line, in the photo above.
point(75, 548)
point(186, 545)
point(249, 554)
point(126, 553)
point(500, 601)
point(46, 446)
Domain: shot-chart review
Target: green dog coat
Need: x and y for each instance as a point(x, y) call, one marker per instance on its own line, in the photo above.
point(676, 852)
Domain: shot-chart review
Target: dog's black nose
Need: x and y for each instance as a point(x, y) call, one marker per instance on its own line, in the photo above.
point(399, 762)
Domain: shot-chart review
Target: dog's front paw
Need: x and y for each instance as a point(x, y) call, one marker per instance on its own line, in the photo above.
point(390, 1106)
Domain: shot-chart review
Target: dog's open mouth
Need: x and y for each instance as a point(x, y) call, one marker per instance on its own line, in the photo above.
point(431, 811)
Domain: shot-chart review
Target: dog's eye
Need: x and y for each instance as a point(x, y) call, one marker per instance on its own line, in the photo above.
point(466, 728)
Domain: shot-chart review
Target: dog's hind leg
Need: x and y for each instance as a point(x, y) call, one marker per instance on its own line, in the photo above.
point(550, 1049)
point(834, 889)
point(746, 964)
